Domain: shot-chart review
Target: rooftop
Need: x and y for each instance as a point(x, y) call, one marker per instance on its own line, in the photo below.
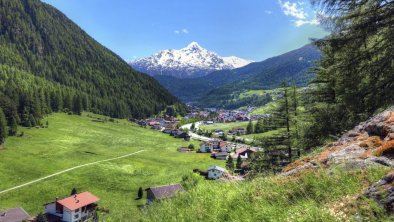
point(166, 191)
point(13, 215)
point(216, 168)
point(78, 200)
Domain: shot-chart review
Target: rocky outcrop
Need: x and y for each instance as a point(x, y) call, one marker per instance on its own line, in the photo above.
point(371, 143)
point(383, 192)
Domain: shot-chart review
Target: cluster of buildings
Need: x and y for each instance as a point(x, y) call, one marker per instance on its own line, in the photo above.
point(225, 116)
point(167, 125)
point(220, 150)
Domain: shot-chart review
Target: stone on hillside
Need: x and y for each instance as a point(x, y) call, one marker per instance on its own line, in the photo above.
point(383, 192)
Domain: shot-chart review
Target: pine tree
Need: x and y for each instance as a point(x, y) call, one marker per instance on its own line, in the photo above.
point(239, 162)
point(77, 105)
point(73, 191)
point(3, 127)
point(41, 218)
point(249, 128)
point(140, 193)
point(230, 163)
point(259, 128)
point(13, 127)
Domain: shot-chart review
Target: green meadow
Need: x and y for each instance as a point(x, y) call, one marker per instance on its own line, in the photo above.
point(75, 140)
point(225, 126)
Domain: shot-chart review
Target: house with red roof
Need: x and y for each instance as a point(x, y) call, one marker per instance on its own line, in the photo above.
point(76, 208)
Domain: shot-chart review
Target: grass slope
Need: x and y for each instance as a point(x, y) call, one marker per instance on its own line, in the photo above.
point(75, 140)
point(314, 196)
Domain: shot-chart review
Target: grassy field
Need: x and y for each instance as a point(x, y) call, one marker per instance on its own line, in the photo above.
point(73, 140)
point(314, 196)
point(225, 126)
point(260, 135)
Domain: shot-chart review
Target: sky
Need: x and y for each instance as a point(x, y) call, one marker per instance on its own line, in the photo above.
point(250, 29)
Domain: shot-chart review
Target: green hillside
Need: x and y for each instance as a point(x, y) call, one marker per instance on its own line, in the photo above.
point(48, 63)
point(74, 140)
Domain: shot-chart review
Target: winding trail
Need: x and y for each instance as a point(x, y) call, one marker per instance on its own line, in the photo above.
point(69, 169)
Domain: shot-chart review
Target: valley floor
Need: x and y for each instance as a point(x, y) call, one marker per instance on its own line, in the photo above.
point(71, 141)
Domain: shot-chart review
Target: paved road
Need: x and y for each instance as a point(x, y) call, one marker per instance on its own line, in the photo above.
point(67, 170)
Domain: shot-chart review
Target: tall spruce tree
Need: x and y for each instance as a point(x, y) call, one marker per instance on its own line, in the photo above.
point(3, 127)
point(355, 75)
point(249, 127)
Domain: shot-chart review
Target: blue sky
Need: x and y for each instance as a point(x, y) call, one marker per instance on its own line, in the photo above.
point(250, 29)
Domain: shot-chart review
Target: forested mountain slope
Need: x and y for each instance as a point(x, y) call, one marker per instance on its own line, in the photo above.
point(48, 63)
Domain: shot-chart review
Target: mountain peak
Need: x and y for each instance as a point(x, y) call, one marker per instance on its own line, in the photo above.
point(189, 62)
point(193, 45)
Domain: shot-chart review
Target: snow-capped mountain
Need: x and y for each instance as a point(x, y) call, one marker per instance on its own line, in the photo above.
point(189, 62)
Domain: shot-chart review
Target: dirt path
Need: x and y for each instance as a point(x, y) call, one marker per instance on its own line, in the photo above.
point(67, 170)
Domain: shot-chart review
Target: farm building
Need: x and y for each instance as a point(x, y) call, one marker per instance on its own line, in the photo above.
point(162, 192)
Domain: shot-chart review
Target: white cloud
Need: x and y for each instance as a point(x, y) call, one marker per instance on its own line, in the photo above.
point(299, 23)
point(268, 12)
point(296, 10)
point(293, 9)
point(181, 31)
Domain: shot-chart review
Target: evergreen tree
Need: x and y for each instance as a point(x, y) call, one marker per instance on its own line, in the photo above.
point(249, 128)
point(13, 127)
point(74, 191)
point(140, 193)
point(259, 128)
point(355, 75)
point(230, 163)
point(3, 127)
point(239, 162)
point(41, 218)
point(77, 105)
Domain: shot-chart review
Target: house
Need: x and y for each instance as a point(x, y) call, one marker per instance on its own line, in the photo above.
point(162, 192)
point(225, 146)
point(220, 155)
point(184, 150)
point(76, 208)
point(215, 172)
point(204, 148)
point(14, 215)
point(244, 152)
point(180, 134)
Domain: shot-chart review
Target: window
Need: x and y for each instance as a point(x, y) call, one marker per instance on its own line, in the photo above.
point(76, 216)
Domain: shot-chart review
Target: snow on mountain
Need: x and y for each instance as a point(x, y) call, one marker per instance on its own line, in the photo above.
point(189, 62)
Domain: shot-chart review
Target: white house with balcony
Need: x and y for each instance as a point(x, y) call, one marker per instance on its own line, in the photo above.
point(76, 208)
